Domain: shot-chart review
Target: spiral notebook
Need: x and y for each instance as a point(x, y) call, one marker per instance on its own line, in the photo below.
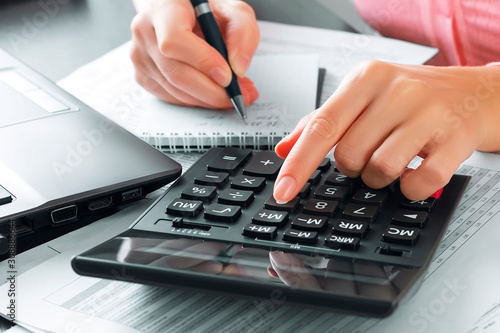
point(287, 85)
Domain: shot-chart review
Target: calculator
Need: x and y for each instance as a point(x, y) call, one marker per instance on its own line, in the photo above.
point(339, 245)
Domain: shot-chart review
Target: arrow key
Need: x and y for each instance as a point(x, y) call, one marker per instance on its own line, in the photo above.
point(410, 218)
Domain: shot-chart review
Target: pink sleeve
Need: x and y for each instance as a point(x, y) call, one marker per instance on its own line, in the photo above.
point(465, 32)
point(396, 19)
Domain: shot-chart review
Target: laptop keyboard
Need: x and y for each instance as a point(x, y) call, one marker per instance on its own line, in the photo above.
point(226, 196)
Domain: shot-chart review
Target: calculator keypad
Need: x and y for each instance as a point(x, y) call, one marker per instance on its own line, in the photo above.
point(230, 194)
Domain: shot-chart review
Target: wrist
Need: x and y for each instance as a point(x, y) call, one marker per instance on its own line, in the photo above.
point(492, 82)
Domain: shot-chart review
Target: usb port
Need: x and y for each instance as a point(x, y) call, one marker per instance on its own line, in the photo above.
point(132, 195)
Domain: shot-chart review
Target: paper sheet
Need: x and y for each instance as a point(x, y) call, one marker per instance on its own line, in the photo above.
point(339, 52)
point(287, 88)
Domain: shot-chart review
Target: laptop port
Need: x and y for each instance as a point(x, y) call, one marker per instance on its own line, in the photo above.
point(18, 227)
point(64, 214)
point(22, 226)
point(132, 195)
point(100, 204)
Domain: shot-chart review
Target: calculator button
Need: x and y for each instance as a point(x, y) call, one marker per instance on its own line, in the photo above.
point(336, 178)
point(236, 197)
point(270, 217)
point(401, 235)
point(199, 192)
point(303, 237)
point(310, 222)
point(229, 160)
point(264, 163)
point(266, 232)
point(330, 192)
point(426, 204)
point(251, 183)
point(290, 206)
point(350, 228)
point(222, 213)
point(304, 192)
point(321, 207)
point(370, 196)
point(410, 218)
point(315, 177)
point(360, 212)
point(184, 207)
point(325, 164)
point(390, 188)
point(342, 242)
point(218, 179)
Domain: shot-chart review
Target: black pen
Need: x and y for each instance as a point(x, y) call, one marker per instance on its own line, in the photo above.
point(213, 36)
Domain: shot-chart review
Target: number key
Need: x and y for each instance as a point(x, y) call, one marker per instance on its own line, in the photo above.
point(321, 207)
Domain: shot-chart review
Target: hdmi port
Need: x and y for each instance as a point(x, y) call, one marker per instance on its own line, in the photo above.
point(100, 204)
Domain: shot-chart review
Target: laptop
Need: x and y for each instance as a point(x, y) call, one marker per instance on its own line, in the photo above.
point(63, 164)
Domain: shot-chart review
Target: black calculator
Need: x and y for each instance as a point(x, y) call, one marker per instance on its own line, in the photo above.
point(338, 245)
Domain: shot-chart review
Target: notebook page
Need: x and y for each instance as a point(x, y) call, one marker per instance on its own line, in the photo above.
point(287, 86)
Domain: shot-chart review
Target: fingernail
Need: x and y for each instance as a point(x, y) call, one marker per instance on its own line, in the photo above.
point(285, 189)
point(220, 76)
point(241, 63)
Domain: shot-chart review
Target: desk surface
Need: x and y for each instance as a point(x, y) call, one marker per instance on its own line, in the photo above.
point(57, 36)
point(55, 39)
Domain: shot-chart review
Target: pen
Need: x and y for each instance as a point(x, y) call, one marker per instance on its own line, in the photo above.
point(213, 36)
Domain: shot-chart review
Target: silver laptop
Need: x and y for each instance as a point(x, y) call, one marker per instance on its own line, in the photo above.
point(62, 162)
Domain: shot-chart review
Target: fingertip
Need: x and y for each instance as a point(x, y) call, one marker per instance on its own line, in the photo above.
point(283, 147)
point(413, 189)
point(240, 63)
point(285, 189)
point(249, 91)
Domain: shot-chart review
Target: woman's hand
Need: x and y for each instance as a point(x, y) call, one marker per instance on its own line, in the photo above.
point(383, 115)
point(174, 62)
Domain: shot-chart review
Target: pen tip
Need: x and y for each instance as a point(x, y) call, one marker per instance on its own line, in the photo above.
point(239, 106)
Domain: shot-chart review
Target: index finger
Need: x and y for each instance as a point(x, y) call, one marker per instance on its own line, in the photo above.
point(324, 130)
